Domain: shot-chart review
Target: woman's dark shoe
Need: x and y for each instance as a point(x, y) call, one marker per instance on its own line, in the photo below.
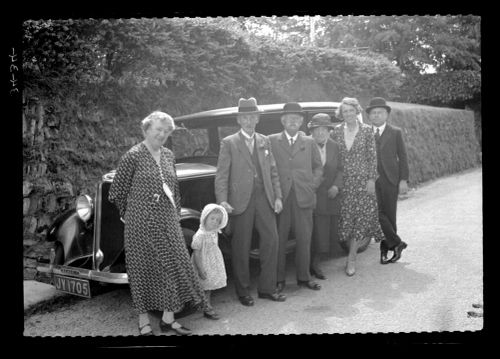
point(309, 284)
point(166, 327)
point(211, 314)
point(276, 296)
point(147, 333)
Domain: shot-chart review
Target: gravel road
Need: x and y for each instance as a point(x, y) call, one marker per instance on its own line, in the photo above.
point(432, 288)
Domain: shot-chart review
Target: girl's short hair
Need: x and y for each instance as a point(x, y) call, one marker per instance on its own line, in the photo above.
point(157, 115)
point(351, 101)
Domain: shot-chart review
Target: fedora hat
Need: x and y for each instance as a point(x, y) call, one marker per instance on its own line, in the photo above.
point(377, 102)
point(292, 107)
point(248, 106)
point(320, 120)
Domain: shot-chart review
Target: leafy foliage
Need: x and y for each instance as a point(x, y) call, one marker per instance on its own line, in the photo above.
point(456, 88)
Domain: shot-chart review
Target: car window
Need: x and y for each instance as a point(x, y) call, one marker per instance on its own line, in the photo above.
point(189, 142)
point(225, 131)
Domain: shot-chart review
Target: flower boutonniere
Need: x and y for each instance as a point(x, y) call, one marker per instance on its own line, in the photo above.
point(302, 148)
point(263, 147)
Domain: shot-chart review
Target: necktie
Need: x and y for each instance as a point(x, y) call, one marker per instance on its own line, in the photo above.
point(249, 145)
point(377, 135)
point(291, 142)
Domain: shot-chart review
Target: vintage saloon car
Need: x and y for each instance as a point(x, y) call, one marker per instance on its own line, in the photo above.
point(88, 240)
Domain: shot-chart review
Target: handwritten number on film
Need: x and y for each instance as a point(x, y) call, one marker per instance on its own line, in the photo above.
point(13, 69)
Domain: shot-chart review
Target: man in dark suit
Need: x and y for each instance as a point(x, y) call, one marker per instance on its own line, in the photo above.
point(327, 211)
point(392, 165)
point(300, 170)
point(247, 186)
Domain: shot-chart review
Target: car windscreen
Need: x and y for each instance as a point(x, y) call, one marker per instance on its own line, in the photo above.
point(189, 142)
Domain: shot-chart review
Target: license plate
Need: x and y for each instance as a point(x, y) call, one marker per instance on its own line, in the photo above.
point(74, 286)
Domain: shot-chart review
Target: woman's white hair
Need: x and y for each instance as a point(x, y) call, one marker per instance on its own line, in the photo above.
point(351, 101)
point(157, 115)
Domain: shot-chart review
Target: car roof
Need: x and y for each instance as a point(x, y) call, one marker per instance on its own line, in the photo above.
point(265, 109)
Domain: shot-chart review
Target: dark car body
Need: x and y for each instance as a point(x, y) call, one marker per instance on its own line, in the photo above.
point(90, 247)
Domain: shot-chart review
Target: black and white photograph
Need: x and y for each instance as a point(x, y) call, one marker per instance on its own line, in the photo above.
point(250, 175)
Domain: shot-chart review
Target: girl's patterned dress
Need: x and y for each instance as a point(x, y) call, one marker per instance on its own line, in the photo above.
point(160, 272)
point(359, 210)
point(211, 255)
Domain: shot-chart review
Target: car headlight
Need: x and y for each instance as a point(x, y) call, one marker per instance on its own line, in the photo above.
point(84, 207)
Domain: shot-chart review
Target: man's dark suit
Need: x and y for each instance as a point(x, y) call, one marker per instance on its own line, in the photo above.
point(300, 171)
point(250, 184)
point(392, 165)
point(325, 232)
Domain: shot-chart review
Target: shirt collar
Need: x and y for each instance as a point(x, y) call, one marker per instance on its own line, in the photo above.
point(294, 137)
point(381, 128)
point(247, 136)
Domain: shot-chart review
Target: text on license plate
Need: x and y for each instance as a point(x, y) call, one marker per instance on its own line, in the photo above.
point(70, 285)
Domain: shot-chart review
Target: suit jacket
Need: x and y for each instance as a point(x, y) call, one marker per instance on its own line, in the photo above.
point(332, 176)
point(235, 172)
point(299, 167)
point(391, 155)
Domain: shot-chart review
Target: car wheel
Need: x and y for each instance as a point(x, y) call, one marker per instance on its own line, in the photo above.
point(361, 246)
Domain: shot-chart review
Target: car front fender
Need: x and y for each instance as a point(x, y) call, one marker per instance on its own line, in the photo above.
point(73, 234)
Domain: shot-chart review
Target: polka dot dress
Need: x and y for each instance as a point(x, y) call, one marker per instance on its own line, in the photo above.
point(161, 274)
point(359, 210)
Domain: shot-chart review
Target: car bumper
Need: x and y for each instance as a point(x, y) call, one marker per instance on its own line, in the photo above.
point(93, 275)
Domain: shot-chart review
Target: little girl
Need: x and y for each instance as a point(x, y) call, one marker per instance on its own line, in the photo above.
point(207, 256)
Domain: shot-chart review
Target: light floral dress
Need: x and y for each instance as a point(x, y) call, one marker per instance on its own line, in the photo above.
point(211, 255)
point(359, 209)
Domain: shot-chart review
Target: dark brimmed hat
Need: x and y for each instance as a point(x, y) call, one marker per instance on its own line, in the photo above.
point(320, 120)
point(248, 106)
point(377, 102)
point(292, 107)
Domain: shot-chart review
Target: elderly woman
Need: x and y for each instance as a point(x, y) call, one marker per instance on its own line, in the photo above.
point(359, 212)
point(146, 193)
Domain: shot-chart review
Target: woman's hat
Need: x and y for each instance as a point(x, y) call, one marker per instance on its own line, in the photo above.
point(248, 106)
point(320, 120)
point(292, 107)
point(377, 102)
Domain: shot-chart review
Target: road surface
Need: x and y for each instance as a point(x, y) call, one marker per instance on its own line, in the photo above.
point(432, 288)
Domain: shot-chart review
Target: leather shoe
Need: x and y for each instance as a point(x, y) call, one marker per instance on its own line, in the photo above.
point(397, 252)
point(277, 297)
point(317, 273)
point(148, 333)
point(383, 257)
point(246, 300)
point(309, 284)
point(280, 286)
point(211, 314)
point(166, 327)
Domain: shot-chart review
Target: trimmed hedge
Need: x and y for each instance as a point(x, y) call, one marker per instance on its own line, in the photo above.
point(439, 141)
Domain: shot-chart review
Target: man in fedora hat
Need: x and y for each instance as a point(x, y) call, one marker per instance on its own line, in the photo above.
point(392, 165)
point(327, 211)
point(300, 170)
point(247, 186)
